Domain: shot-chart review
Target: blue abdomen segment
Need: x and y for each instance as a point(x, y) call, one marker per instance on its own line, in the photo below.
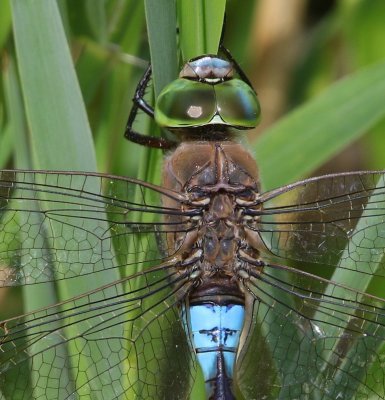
point(216, 331)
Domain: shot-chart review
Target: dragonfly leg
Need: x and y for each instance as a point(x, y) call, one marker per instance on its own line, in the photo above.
point(141, 104)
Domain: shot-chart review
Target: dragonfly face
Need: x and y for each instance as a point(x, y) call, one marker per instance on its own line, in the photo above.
point(204, 280)
point(205, 94)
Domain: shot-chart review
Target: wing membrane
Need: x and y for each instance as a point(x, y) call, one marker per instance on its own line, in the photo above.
point(134, 314)
point(313, 220)
point(315, 338)
point(82, 216)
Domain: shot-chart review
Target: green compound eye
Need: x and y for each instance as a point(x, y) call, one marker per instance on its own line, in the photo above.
point(237, 104)
point(186, 103)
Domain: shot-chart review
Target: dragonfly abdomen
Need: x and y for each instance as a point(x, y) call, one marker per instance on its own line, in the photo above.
point(215, 324)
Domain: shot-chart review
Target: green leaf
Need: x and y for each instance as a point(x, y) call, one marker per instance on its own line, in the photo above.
point(6, 145)
point(46, 70)
point(5, 22)
point(97, 18)
point(60, 138)
point(161, 28)
point(200, 26)
point(238, 29)
point(322, 127)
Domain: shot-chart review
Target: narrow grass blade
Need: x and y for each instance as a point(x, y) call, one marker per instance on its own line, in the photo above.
point(5, 22)
point(95, 11)
point(321, 127)
point(200, 24)
point(60, 139)
point(161, 28)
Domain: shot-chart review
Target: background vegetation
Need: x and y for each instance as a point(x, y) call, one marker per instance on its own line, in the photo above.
point(293, 51)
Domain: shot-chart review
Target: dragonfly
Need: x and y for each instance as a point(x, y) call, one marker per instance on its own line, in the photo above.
point(220, 282)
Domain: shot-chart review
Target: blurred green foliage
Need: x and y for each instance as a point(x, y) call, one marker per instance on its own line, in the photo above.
point(110, 50)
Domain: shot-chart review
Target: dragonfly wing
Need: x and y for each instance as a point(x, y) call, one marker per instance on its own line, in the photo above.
point(59, 352)
point(330, 220)
point(124, 339)
point(311, 338)
point(55, 226)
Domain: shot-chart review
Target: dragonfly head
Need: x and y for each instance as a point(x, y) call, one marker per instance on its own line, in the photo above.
point(206, 95)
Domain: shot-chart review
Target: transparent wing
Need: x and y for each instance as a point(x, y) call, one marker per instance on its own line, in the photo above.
point(60, 352)
point(318, 338)
point(311, 338)
point(124, 339)
point(314, 338)
point(314, 220)
point(55, 226)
